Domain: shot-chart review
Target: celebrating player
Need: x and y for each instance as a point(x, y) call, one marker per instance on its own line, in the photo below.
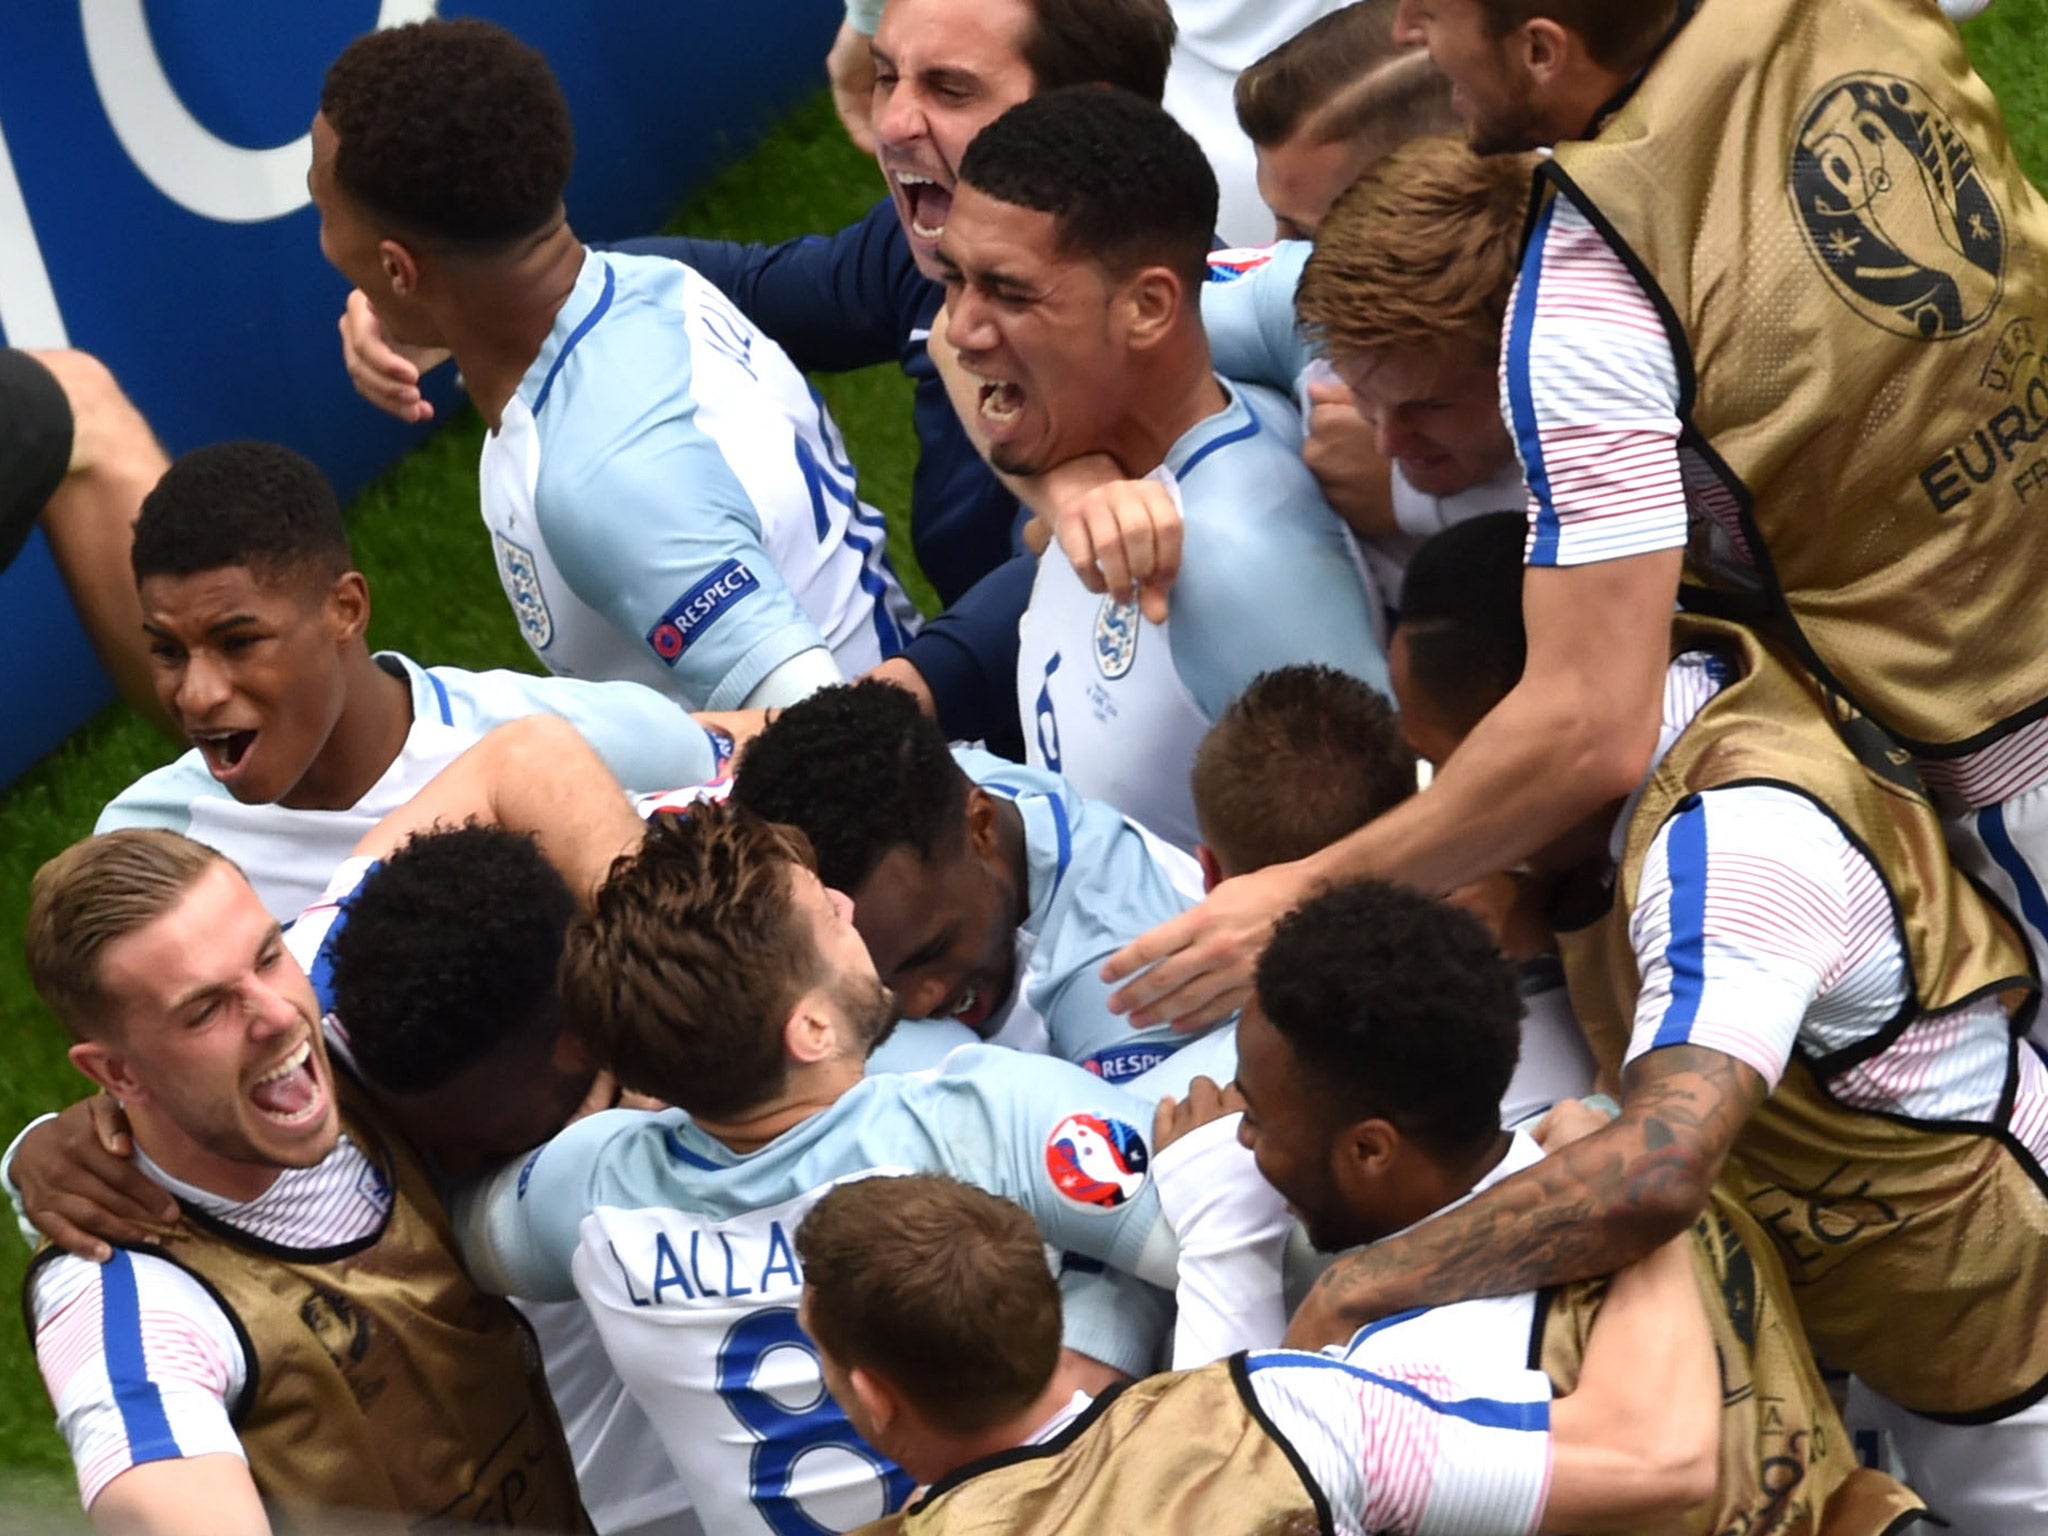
point(667, 501)
point(1775, 952)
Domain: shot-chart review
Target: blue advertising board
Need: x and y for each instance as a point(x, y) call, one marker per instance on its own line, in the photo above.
point(153, 212)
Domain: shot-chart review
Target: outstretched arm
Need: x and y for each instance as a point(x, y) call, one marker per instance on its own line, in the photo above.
point(534, 775)
point(1576, 733)
point(1587, 1210)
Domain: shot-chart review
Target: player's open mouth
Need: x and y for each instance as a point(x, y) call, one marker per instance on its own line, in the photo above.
point(224, 751)
point(290, 1093)
point(1001, 402)
point(928, 202)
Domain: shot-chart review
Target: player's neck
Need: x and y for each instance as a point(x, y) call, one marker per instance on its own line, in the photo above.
point(949, 1454)
point(376, 717)
point(809, 1090)
point(167, 1145)
point(505, 318)
point(1177, 392)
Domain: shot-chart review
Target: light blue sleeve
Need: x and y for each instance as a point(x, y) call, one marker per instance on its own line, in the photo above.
point(518, 1228)
point(1113, 1317)
point(160, 798)
point(1271, 587)
point(647, 739)
point(649, 526)
point(1250, 320)
point(1071, 1149)
point(865, 15)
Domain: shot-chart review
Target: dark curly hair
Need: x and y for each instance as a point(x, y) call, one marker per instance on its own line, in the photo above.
point(452, 130)
point(446, 955)
point(1302, 757)
point(1126, 184)
point(1461, 614)
point(859, 770)
point(251, 504)
point(1399, 1008)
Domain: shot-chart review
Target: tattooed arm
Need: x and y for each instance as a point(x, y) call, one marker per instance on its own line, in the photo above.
point(1587, 1210)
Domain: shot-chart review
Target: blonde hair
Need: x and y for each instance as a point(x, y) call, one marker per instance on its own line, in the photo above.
point(1421, 251)
point(94, 893)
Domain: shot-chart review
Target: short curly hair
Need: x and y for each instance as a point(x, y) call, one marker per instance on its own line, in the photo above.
point(859, 770)
point(1126, 184)
point(1398, 1007)
point(1461, 615)
point(445, 955)
point(250, 504)
point(450, 130)
point(1304, 756)
point(1421, 251)
point(680, 976)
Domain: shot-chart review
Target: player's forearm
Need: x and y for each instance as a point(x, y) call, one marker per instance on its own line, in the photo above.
point(1638, 1438)
point(1534, 768)
point(1584, 1211)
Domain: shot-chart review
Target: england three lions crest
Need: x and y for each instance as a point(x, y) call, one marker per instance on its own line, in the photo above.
point(521, 579)
point(1894, 209)
point(1116, 637)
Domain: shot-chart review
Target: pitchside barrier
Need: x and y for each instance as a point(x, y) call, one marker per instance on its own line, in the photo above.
point(153, 211)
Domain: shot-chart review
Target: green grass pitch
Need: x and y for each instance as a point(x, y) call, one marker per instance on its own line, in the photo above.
point(437, 599)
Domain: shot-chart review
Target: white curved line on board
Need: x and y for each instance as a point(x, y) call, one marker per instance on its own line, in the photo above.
point(192, 166)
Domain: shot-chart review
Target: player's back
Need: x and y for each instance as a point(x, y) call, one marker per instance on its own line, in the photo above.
point(668, 434)
point(684, 1251)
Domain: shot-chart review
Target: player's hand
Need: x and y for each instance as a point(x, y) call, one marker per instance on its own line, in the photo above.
point(606, 1093)
point(385, 372)
point(1124, 540)
point(1342, 452)
point(80, 1186)
point(1200, 963)
point(1205, 1104)
point(1570, 1120)
point(899, 670)
point(850, 66)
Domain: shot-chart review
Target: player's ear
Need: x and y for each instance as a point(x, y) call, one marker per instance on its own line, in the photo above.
point(879, 1404)
point(811, 1033)
point(348, 605)
point(1212, 867)
point(982, 824)
point(401, 267)
point(1367, 1149)
point(1547, 48)
point(1151, 300)
point(109, 1068)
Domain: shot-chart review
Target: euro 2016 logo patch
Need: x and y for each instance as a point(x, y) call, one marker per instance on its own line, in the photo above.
point(1116, 637)
point(1894, 209)
point(520, 576)
point(1094, 1160)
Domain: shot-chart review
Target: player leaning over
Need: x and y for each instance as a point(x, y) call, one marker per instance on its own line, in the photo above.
point(667, 501)
point(1741, 401)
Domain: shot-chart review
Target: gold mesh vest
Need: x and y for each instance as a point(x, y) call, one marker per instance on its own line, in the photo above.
point(1893, 1235)
point(1787, 1465)
point(1190, 1451)
point(380, 1380)
point(1821, 198)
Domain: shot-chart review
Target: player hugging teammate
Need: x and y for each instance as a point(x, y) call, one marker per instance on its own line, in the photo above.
point(1048, 1068)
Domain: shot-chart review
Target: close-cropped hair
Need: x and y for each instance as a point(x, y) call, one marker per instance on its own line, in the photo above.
point(454, 131)
point(1421, 251)
point(1398, 1007)
point(860, 770)
point(250, 504)
point(1301, 758)
point(1277, 93)
point(1619, 34)
point(448, 956)
point(1126, 185)
point(1461, 615)
point(95, 893)
point(1402, 99)
point(681, 975)
point(954, 1306)
point(1124, 43)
